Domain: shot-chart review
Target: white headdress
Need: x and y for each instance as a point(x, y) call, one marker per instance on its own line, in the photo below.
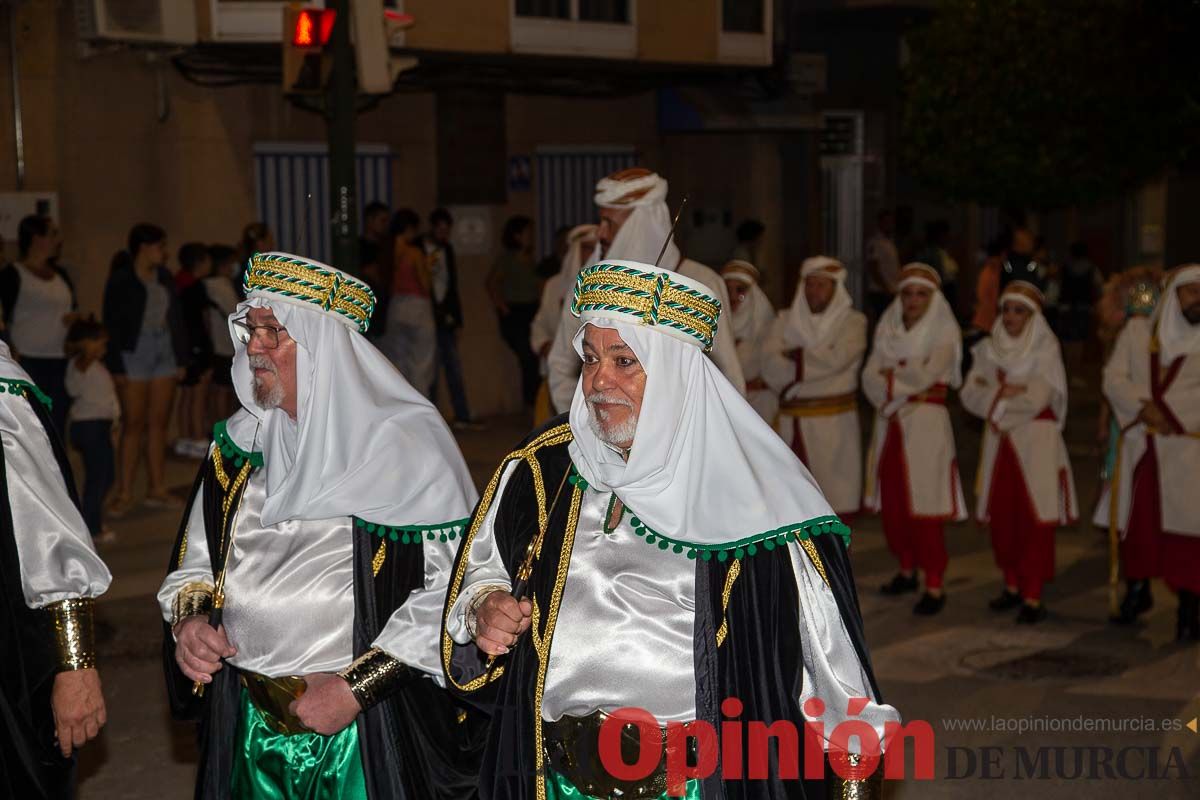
point(806, 329)
point(895, 343)
point(755, 313)
point(364, 442)
point(706, 475)
point(642, 235)
point(1176, 336)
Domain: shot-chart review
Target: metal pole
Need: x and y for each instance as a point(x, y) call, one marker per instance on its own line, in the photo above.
point(18, 124)
point(340, 120)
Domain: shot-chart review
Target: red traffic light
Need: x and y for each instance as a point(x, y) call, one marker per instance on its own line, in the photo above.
point(313, 27)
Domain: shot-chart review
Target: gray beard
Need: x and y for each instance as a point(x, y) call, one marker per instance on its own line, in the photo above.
point(615, 435)
point(265, 398)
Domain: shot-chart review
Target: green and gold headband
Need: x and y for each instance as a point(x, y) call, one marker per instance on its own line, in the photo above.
point(311, 282)
point(636, 292)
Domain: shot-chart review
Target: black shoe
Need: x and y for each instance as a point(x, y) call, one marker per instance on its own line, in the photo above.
point(1005, 602)
point(900, 584)
point(929, 605)
point(1138, 601)
point(1187, 625)
point(1031, 615)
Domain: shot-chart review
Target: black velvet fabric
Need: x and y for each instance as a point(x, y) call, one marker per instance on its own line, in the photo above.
point(412, 745)
point(31, 765)
point(759, 662)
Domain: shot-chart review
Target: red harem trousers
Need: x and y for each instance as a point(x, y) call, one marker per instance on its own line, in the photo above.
point(1023, 545)
point(918, 543)
point(1148, 551)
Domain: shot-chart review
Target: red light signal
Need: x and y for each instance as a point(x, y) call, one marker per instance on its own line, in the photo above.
point(313, 27)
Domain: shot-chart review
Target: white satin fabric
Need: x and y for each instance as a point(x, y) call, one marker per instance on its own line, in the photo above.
point(365, 442)
point(57, 558)
point(625, 630)
point(1176, 336)
point(289, 592)
point(644, 602)
point(704, 465)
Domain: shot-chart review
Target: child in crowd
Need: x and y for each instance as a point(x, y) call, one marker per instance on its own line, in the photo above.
point(95, 413)
point(193, 394)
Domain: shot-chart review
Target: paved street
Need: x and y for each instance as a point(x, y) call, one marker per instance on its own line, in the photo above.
point(963, 668)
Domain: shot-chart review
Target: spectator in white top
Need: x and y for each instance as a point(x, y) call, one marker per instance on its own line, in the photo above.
point(95, 413)
point(39, 306)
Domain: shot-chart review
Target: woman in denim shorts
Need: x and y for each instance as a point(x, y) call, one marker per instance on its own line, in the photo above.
point(142, 314)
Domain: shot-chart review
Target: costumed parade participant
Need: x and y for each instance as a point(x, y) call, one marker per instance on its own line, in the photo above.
point(1152, 382)
point(1024, 487)
point(634, 224)
point(581, 243)
point(912, 465)
point(668, 551)
point(306, 585)
point(50, 696)
point(751, 314)
point(811, 359)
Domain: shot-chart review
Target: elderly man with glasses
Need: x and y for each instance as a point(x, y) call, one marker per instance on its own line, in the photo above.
point(305, 589)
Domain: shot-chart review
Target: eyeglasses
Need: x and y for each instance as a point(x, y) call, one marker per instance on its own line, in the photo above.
point(267, 335)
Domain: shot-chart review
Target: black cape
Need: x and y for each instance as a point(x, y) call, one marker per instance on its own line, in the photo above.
point(758, 659)
point(419, 744)
point(31, 765)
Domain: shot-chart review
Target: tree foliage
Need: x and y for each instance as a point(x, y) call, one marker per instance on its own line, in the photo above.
point(1048, 103)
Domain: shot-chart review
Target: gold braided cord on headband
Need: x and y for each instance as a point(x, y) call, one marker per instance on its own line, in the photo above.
point(302, 280)
point(651, 298)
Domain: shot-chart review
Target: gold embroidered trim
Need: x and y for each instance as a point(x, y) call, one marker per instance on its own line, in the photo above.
point(556, 435)
point(735, 569)
point(73, 633)
point(241, 478)
point(377, 561)
point(542, 643)
point(374, 676)
point(219, 468)
point(815, 558)
point(194, 598)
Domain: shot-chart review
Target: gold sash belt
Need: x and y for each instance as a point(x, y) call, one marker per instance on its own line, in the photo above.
point(819, 406)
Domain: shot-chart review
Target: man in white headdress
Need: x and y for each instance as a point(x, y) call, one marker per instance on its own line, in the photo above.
point(306, 585)
point(1152, 382)
point(634, 224)
point(667, 550)
point(581, 243)
point(811, 359)
point(1024, 488)
point(50, 697)
point(751, 314)
point(912, 465)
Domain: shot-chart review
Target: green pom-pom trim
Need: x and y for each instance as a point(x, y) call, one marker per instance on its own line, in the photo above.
point(230, 449)
point(20, 388)
point(749, 546)
point(413, 534)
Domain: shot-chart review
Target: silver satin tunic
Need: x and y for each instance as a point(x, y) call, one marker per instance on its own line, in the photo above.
point(289, 592)
point(57, 558)
point(624, 635)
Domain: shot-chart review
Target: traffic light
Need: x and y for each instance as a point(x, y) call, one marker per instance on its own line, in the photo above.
point(305, 65)
point(307, 62)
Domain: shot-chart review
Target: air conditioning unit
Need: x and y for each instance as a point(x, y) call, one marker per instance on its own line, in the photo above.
point(141, 21)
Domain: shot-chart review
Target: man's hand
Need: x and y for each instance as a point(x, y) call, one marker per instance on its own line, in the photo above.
point(199, 648)
point(1153, 416)
point(1011, 390)
point(328, 705)
point(499, 622)
point(78, 707)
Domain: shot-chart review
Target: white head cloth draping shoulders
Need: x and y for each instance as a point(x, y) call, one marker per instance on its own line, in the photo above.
point(641, 236)
point(365, 443)
point(805, 328)
point(894, 343)
point(705, 474)
point(1176, 336)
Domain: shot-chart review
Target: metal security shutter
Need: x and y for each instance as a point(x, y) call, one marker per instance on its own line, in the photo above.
point(566, 183)
point(291, 181)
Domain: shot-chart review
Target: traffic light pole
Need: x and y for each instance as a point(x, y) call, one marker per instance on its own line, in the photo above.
point(340, 114)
